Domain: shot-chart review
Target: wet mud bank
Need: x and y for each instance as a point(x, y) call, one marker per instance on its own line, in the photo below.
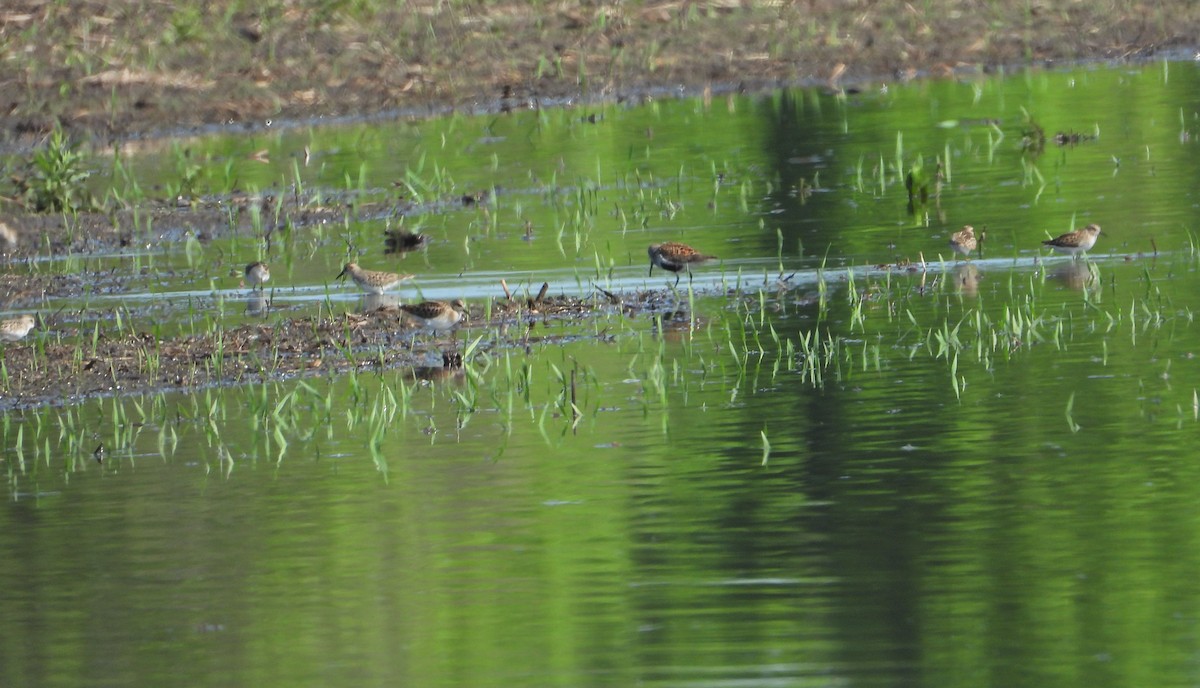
point(61, 363)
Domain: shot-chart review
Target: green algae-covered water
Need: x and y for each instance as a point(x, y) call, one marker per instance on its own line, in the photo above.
point(841, 457)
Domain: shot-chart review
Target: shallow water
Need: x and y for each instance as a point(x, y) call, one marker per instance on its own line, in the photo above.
point(980, 475)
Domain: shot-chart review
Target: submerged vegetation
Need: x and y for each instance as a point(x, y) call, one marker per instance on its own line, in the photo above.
point(858, 326)
point(146, 295)
point(849, 427)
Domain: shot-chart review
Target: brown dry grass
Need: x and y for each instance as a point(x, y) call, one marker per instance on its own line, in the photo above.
point(141, 65)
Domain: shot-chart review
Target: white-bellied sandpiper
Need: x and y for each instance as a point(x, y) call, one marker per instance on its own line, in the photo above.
point(675, 257)
point(371, 281)
point(15, 329)
point(438, 316)
point(1074, 243)
point(257, 274)
point(963, 241)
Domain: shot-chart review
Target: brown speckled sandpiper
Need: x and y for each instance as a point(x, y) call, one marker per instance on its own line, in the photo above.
point(257, 274)
point(963, 241)
point(15, 329)
point(675, 257)
point(1074, 243)
point(438, 316)
point(371, 281)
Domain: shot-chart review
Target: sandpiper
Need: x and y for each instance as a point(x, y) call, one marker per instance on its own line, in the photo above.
point(372, 281)
point(8, 238)
point(15, 329)
point(438, 316)
point(963, 242)
point(257, 273)
point(1074, 243)
point(675, 257)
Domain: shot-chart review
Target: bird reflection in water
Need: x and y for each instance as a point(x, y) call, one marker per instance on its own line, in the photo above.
point(1078, 275)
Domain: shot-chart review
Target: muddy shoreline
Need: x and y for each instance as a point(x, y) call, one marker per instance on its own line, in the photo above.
point(141, 69)
point(60, 364)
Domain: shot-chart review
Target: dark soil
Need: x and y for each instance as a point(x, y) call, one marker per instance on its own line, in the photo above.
point(48, 369)
point(130, 68)
point(117, 71)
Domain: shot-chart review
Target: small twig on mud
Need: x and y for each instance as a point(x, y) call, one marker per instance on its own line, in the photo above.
point(612, 298)
point(541, 295)
point(507, 293)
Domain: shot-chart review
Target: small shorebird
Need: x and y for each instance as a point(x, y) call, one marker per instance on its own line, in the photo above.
point(438, 316)
point(371, 281)
point(1074, 243)
point(675, 257)
point(8, 239)
point(15, 329)
point(256, 274)
point(963, 242)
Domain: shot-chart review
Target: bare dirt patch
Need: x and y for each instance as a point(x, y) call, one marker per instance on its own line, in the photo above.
point(47, 368)
point(117, 69)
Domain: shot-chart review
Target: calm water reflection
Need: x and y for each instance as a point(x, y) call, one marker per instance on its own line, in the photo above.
point(1017, 510)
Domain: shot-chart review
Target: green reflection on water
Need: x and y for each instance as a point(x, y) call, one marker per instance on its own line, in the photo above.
point(927, 515)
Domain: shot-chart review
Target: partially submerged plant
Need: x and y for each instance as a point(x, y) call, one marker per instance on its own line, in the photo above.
point(56, 177)
point(921, 183)
point(1033, 137)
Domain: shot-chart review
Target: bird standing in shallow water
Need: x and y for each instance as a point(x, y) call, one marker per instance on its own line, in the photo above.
point(15, 329)
point(371, 281)
point(675, 257)
point(257, 274)
point(963, 242)
point(1074, 243)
